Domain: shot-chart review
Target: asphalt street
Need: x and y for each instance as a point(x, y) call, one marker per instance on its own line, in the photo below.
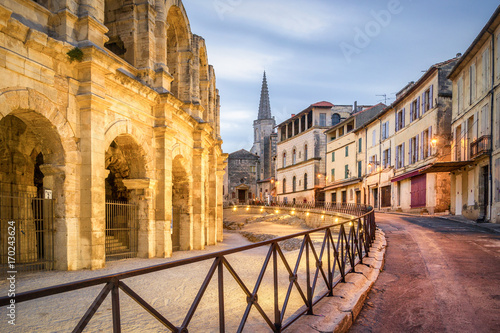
point(439, 276)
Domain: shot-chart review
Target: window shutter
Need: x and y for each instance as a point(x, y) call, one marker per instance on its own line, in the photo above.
point(423, 102)
point(429, 151)
point(411, 112)
point(422, 146)
point(403, 155)
point(417, 150)
point(431, 98)
point(397, 158)
point(389, 158)
point(418, 106)
point(397, 122)
point(410, 148)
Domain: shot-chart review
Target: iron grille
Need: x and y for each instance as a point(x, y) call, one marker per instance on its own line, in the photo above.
point(121, 230)
point(31, 222)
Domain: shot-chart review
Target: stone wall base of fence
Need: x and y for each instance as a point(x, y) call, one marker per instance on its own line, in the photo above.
point(338, 313)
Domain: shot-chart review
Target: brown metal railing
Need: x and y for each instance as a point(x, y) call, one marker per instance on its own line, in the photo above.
point(480, 146)
point(344, 245)
point(26, 224)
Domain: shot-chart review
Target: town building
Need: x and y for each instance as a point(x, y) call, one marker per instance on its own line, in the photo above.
point(110, 141)
point(345, 157)
point(300, 158)
point(241, 177)
point(415, 138)
point(475, 171)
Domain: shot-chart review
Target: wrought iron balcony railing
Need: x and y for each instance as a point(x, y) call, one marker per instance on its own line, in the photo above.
point(480, 146)
point(323, 264)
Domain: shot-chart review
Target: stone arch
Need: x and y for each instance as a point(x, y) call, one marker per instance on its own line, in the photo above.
point(182, 226)
point(35, 139)
point(306, 151)
point(204, 81)
point(121, 37)
point(179, 51)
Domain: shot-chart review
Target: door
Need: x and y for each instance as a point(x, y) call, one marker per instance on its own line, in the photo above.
point(418, 191)
point(458, 196)
point(242, 196)
point(483, 193)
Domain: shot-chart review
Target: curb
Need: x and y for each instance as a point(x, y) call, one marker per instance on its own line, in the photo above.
point(338, 313)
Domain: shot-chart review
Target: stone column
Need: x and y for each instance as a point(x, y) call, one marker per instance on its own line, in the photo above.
point(212, 199)
point(198, 197)
point(143, 195)
point(221, 166)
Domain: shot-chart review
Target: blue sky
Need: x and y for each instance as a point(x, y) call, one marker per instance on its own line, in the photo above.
point(340, 51)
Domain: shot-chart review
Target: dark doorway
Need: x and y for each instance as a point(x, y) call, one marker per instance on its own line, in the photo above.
point(386, 196)
point(242, 196)
point(358, 197)
point(483, 193)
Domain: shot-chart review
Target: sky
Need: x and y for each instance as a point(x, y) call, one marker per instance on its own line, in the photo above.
point(339, 51)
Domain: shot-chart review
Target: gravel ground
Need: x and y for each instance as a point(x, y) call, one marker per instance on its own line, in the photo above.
point(171, 292)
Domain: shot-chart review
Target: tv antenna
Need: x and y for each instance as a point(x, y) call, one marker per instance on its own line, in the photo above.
point(385, 98)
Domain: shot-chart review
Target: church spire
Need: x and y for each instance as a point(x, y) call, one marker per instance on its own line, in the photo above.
point(265, 105)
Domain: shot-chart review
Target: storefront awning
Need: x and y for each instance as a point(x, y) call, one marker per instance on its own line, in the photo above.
point(445, 166)
point(406, 175)
point(342, 184)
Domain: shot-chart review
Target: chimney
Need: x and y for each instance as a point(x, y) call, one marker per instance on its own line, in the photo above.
point(293, 115)
point(355, 106)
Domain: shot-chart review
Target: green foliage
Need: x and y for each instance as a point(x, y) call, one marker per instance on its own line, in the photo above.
point(75, 54)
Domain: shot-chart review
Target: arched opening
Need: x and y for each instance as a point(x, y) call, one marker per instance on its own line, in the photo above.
point(294, 183)
point(305, 181)
point(204, 85)
point(294, 156)
point(117, 18)
point(127, 198)
point(284, 185)
point(284, 159)
point(177, 45)
point(335, 119)
point(305, 152)
point(181, 212)
point(29, 150)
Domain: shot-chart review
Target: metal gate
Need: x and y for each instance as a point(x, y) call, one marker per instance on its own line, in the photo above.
point(26, 233)
point(121, 230)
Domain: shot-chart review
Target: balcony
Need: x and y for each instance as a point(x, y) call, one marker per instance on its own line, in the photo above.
point(480, 146)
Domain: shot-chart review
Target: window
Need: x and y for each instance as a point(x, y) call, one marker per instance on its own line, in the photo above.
point(305, 181)
point(350, 127)
point(427, 143)
point(385, 130)
point(284, 159)
point(372, 163)
point(427, 99)
point(360, 169)
point(472, 84)
point(322, 119)
point(400, 119)
point(284, 185)
point(333, 157)
point(374, 138)
point(360, 145)
point(485, 118)
point(305, 153)
point(283, 133)
point(346, 151)
point(415, 109)
point(341, 131)
point(332, 175)
point(414, 149)
point(252, 168)
point(334, 197)
point(347, 172)
point(335, 119)
point(294, 157)
point(294, 183)
point(486, 70)
point(460, 95)
point(400, 156)
point(386, 158)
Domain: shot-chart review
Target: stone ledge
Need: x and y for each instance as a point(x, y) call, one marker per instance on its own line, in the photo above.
point(337, 313)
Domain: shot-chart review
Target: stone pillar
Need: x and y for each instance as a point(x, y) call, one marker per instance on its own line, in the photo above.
point(198, 198)
point(185, 79)
point(221, 167)
point(164, 139)
point(212, 199)
point(143, 195)
point(92, 107)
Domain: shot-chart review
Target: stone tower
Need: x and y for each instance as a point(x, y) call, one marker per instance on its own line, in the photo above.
point(263, 129)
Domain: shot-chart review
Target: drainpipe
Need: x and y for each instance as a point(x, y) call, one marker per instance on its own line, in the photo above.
point(492, 111)
point(380, 157)
point(366, 195)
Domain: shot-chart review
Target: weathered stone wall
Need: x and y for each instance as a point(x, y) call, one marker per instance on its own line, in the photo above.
point(139, 96)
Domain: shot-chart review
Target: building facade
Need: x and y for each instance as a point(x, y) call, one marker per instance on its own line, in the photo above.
point(475, 173)
point(300, 158)
point(241, 177)
point(99, 110)
point(345, 158)
point(419, 129)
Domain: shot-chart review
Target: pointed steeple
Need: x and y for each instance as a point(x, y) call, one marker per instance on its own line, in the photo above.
point(265, 105)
